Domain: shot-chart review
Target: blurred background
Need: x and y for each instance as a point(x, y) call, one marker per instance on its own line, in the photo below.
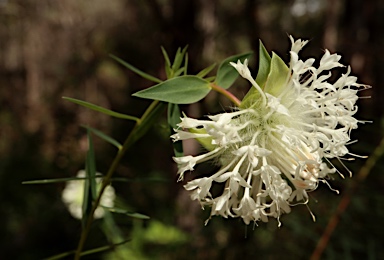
point(50, 49)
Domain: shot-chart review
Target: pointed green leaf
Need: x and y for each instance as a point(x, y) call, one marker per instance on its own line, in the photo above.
point(205, 71)
point(104, 137)
point(210, 79)
point(90, 189)
point(136, 70)
point(100, 109)
point(173, 119)
point(166, 57)
point(277, 76)
point(178, 72)
point(179, 58)
point(46, 181)
point(117, 179)
point(168, 69)
point(126, 212)
point(87, 252)
point(180, 90)
point(264, 66)
point(226, 74)
point(262, 75)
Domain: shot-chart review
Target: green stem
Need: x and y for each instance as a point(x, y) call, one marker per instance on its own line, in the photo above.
point(132, 137)
point(226, 93)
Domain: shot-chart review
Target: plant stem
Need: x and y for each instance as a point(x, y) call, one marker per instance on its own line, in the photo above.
point(226, 93)
point(132, 137)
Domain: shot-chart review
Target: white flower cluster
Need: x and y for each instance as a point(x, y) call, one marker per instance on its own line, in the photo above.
point(73, 195)
point(271, 153)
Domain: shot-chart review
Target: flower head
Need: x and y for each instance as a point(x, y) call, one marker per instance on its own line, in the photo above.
point(276, 148)
point(73, 195)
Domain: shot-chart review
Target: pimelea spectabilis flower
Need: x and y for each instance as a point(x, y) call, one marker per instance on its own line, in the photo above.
point(73, 195)
point(274, 148)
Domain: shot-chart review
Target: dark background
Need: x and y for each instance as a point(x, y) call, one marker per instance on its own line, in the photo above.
point(50, 49)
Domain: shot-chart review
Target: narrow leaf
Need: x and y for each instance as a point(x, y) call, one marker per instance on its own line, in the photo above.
point(178, 72)
point(90, 182)
point(115, 179)
point(90, 167)
point(127, 213)
point(226, 74)
point(47, 181)
point(205, 71)
point(88, 252)
point(210, 79)
point(168, 69)
point(166, 57)
point(100, 109)
point(136, 70)
point(180, 90)
point(104, 137)
point(179, 58)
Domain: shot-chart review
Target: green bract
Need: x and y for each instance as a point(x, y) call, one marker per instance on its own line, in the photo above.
point(272, 75)
point(277, 76)
point(205, 142)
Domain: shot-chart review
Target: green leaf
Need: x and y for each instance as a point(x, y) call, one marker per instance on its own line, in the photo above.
point(226, 74)
point(179, 58)
point(178, 72)
point(127, 213)
point(88, 252)
point(136, 70)
point(100, 109)
point(180, 90)
point(277, 76)
point(90, 189)
point(168, 69)
point(210, 79)
point(205, 71)
point(173, 119)
point(104, 137)
point(47, 181)
point(166, 57)
point(262, 75)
